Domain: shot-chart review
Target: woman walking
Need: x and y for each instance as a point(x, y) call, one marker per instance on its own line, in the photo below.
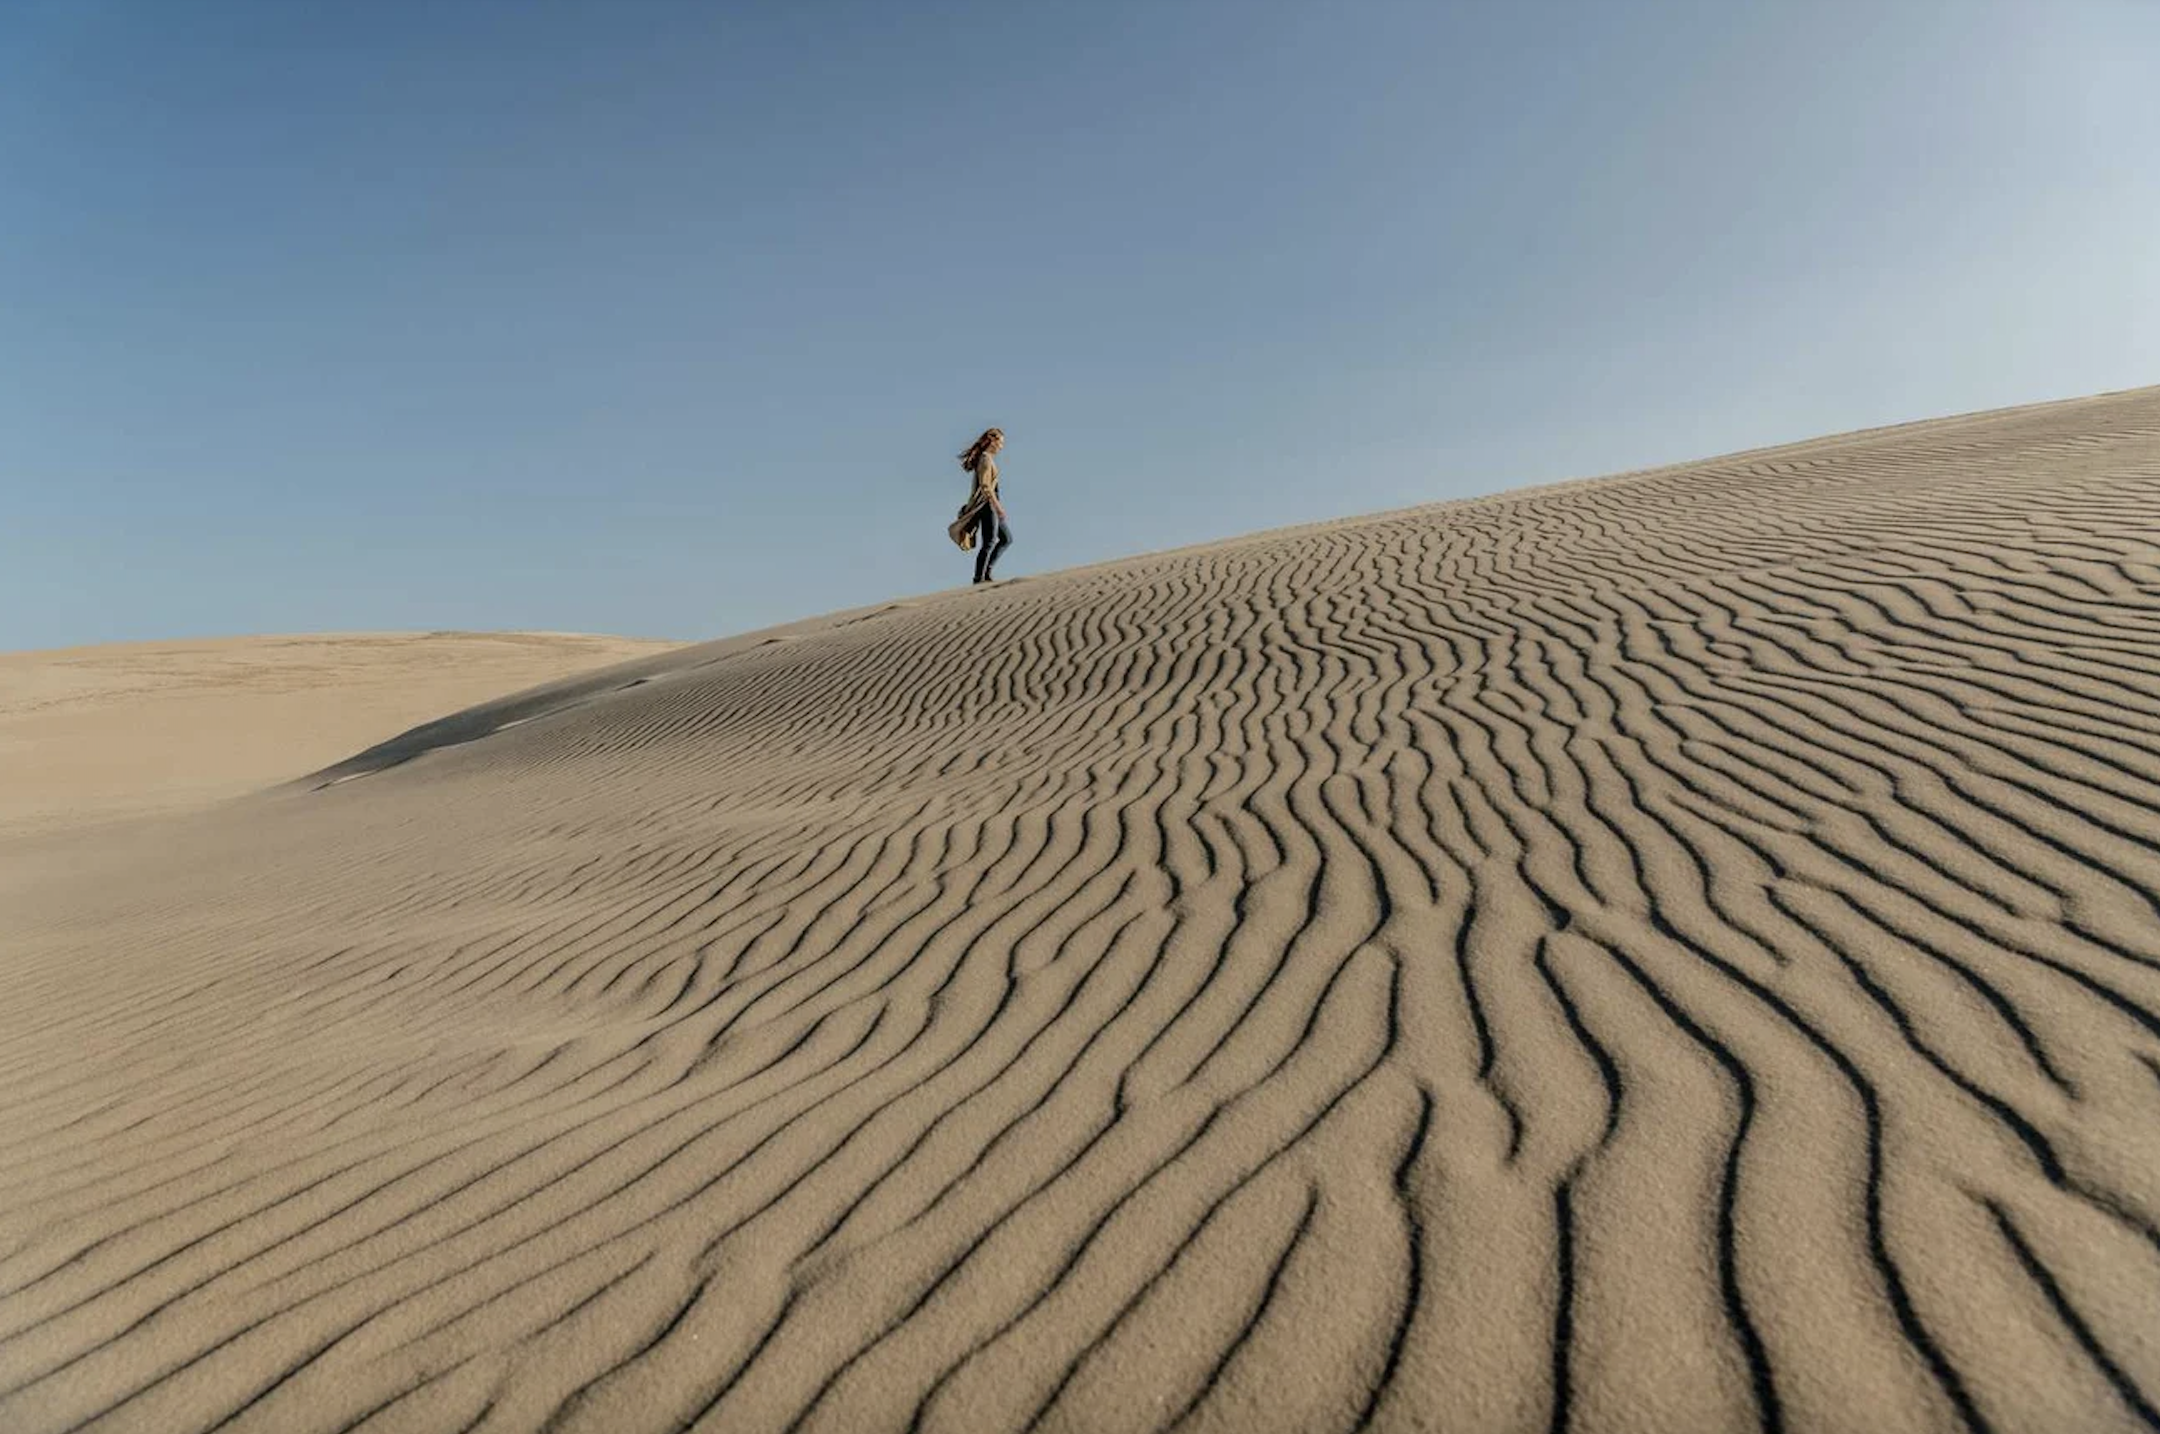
point(984, 514)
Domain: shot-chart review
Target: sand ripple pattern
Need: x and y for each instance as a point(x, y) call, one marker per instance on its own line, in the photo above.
point(1678, 952)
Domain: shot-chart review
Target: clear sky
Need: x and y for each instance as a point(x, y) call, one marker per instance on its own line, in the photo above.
point(667, 319)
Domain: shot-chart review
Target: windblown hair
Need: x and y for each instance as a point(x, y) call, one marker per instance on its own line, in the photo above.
point(972, 459)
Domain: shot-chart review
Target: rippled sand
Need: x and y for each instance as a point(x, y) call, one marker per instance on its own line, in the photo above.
point(1675, 952)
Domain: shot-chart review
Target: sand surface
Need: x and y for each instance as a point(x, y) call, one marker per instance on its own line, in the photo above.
point(1677, 952)
point(93, 733)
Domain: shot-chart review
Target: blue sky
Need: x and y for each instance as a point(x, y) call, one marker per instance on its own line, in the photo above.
point(667, 319)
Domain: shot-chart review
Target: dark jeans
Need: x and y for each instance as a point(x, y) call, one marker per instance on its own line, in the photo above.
point(992, 537)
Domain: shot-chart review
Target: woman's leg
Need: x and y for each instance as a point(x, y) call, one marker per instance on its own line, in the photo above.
point(986, 526)
point(995, 543)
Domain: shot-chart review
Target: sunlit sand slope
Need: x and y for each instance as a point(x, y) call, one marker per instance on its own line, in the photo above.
point(1679, 952)
point(88, 734)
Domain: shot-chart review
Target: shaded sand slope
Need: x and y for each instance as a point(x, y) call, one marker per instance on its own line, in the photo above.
point(92, 733)
point(1668, 953)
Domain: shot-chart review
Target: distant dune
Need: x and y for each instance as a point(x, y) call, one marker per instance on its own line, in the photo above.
point(97, 732)
point(1673, 952)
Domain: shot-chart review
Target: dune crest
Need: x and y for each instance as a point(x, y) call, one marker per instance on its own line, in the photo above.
point(1666, 953)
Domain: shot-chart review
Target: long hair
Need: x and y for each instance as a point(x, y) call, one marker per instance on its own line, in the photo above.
point(972, 458)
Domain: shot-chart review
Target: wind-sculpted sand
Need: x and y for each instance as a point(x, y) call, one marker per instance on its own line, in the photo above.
point(91, 734)
point(1677, 952)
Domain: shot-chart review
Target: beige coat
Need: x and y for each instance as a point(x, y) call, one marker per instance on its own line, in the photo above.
point(985, 480)
point(962, 531)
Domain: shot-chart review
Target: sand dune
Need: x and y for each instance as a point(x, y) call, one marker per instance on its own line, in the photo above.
point(1674, 952)
point(94, 733)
